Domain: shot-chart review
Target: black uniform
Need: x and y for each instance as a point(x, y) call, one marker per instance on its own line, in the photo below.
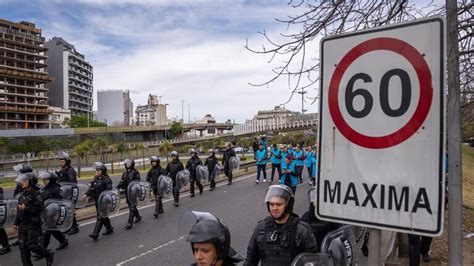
point(418, 245)
point(28, 222)
point(3, 235)
point(172, 170)
point(192, 165)
point(68, 174)
point(211, 163)
point(225, 161)
point(275, 244)
point(318, 227)
point(98, 185)
point(128, 176)
point(52, 191)
point(152, 177)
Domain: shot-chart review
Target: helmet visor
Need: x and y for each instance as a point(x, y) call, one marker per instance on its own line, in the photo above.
point(278, 191)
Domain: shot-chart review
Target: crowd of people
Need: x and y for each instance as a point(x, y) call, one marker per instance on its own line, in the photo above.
point(276, 240)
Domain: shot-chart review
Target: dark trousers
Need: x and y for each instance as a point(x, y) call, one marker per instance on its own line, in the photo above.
point(158, 201)
point(74, 222)
point(278, 168)
point(198, 184)
point(212, 181)
point(46, 237)
point(263, 168)
point(310, 174)
point(3, 238)
point(299, 172)
point(228, 173)
point(418, 245)
point(175, 193)
point(29, 235)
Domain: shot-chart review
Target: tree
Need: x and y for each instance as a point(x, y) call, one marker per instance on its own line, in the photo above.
point(176, 130)
point(79, 121)
point(100, 147)
point(88, 147)
point(321, 18)
point(81, 152)
point(165, 148)
point(122, 148)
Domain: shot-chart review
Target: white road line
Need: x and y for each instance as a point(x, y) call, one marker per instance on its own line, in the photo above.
point(167, 200)
point(149, 251)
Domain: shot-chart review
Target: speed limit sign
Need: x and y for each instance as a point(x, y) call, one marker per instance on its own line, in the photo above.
point(382, 127)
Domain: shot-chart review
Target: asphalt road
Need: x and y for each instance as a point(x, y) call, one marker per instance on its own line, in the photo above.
point(157, 241)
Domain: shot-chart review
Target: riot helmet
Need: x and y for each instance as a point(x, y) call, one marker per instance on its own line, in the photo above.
point(280, 191)
point(63, 156)
point(26, 177)
point(100, 166)
point(174, 154)
point(22, 169)
point(129, 163)
point(211, 151)
point(155, 158)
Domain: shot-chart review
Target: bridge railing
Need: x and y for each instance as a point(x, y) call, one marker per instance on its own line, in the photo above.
point(274, 125)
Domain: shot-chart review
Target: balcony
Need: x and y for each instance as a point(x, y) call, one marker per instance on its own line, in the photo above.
point(22, 34)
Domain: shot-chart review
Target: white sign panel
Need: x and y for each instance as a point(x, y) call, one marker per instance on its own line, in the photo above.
point(382, 127)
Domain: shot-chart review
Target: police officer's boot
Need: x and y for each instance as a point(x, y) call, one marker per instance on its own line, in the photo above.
point(176, 197)
point(75, 227)
point(157, 207)
point(130, 220)
point(49, 258)
point(5, 249)
point(230, 178)
point(108, 227)
point(138, 218)
point(95, 234)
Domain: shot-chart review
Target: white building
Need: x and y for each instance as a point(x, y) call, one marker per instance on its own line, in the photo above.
point(152, 114)
point(114, 107)
point(56, 119)
point(72, 86)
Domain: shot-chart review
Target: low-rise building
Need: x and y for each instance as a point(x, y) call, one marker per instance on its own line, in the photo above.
point(151, 114)
point(59, 115)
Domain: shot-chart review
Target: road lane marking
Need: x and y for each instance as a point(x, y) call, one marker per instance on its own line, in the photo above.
point(149, 251)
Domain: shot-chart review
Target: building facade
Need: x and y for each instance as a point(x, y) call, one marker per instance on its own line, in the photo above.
point(72, 87)
point(152, 114)
point(58, 116)
point(114, 107)
point(23, 94)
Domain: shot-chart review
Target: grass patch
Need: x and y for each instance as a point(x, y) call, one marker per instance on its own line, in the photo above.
point(468, 176)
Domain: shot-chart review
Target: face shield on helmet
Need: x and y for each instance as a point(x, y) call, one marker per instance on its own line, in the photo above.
point(45, 175)
point(192, 152)
point(22, 169)
point(64, 156)
point(129, 163)
point(283, 192)
point(100, 166)
point(24, 177)
point(174, 154)
point(155, 159)
point(201, 227)
point(211, 151)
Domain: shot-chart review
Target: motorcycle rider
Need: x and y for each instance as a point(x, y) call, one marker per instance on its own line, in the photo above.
point(228, 153)
point(282, 235)
point(28, 221)
point(130, 174)
point(172, 170)
point(211, 163)
point(192, 165)
point(67, 174)
point(152, 177)
point(100, 183)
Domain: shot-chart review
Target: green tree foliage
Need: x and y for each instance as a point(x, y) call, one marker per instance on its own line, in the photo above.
point(176, 130)
point(165, 148)
point(185, 149)
point(81, 121)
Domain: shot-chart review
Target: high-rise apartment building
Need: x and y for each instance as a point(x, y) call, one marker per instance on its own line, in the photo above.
point(115, 107)
point(72, 86)
point(23, 94)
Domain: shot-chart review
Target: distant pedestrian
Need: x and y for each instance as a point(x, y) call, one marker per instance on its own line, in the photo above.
point(211, 163)
point(130, 174)
point(261, 163)
point(299, 158)
point(152, 177)
point(289, 177)
point(172, 170)
point(276, 156)
point(255, 148)
point(310, 163)
point(228, 153)
point(192, 165)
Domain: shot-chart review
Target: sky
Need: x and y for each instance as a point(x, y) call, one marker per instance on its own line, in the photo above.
point(191, 50)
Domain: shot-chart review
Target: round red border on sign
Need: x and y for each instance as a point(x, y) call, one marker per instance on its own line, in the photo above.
point(424, 102)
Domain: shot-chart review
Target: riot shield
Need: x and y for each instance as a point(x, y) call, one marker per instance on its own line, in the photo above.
point(8, 210)
point(164, 185)
point(182, 179)
point(108, 203)
point(138, 193)
point(312, 259)
point(74, 192)
point(57, 215)
point(340, 245)
point(202, 173)
point(234, 163)
point(216, 171)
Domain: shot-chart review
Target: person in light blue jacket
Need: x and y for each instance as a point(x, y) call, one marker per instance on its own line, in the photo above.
point(276, 161)
point(290, 148)
point(284, 152)
point(261, 163)
point(310, 161)
point(289, 177)
point(299, 158)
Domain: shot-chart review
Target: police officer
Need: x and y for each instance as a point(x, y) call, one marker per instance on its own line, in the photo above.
point(280, 237)
point(3, 235)
point(172, 170)
point(210, 242)
point(152, 177)
point(130, 174)
point(228, 153)
point(211, 163)
point(68, 174)
point(289, 177)
point(192, 165)
point(51, 190)
point(276, 161)
point(28, 221)
point(318, 227)
point(100, 183)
